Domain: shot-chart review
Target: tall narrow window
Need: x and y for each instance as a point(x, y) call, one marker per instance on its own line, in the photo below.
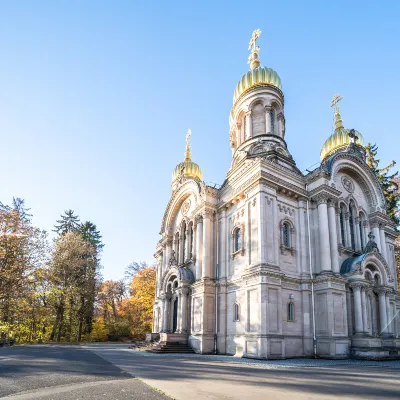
point(236, 312)
point(342, 230)
point(191, 241)
point(184, 241)
point(272, 118)
point(352, 235)
point(290, 312)
point(177, 247)
point(237, 239)
point(286, 234)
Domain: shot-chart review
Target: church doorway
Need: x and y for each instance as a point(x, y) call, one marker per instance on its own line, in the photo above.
point(175, 316)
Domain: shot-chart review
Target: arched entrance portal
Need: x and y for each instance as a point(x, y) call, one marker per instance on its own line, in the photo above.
point(176, 300)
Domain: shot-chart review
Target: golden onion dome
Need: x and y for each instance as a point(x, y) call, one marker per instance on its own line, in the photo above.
point(340, 138)
point(255, 77)
point(258, 75)
point(187, 168)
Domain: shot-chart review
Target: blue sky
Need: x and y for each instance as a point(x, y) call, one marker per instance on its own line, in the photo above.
point(96, 98)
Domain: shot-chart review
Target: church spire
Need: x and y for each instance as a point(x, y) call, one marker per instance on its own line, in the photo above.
point(188, 154)
point(338, 119)
point(253, 57)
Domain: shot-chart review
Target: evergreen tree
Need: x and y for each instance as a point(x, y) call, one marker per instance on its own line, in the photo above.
point(388, 182)
point(89, 232)
point(69, 222)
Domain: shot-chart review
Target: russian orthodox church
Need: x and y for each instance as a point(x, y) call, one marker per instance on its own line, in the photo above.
point(275, 263)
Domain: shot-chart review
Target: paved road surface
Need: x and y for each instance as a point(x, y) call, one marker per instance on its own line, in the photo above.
point(66, 372)
point(197, 377)
point(106, 371)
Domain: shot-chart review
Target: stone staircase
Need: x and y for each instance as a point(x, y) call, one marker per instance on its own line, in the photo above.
point(168, 347)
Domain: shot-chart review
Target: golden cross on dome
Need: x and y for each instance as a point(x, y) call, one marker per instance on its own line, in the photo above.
point(335, 101)
point(188, 154)
point(252, 45)
point(189, 133)
point(253, 57)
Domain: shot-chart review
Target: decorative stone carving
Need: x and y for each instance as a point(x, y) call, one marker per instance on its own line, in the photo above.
point(172, 259)
point(371, 246)
point(348, 184)
point(185, 207)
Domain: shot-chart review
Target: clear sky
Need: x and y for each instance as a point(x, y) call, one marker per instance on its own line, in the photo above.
point(96, 98)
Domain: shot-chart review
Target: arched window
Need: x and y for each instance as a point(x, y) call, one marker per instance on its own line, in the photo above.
point(184, 234)
point(272, 118)
point(236, 312)
point(342, 230)
point(191, 241)
point(290, 312)
point(352, 223)
point(237, 240)
point(177, 247)
point(286, 239)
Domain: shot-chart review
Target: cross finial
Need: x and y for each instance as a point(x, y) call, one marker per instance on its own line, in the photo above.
point(334, 103)
point(188, 154)
point(253, 58)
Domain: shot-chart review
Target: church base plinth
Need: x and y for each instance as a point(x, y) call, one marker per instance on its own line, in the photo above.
point(152, 337)
point(173, 338)
point(375, 348)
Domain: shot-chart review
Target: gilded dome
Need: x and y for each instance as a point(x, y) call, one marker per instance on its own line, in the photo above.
point(339, 138)
point(187, 168)
point(257, 76)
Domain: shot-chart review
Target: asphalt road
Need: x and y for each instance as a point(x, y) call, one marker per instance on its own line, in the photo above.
point(113, 371)
point(66, 372)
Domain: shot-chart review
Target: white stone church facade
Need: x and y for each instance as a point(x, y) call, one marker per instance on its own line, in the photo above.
point(275, 263)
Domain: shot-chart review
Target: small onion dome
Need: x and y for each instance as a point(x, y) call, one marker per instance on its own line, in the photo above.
point(254, 77)
point(187, 168)
point(340, 138)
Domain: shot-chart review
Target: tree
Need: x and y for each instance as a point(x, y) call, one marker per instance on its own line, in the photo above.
point(133, 268)
point(23, 251)
point(388, 183)
point(69, 222)
point(138, 309)
point(90, 233)
point(71, 258)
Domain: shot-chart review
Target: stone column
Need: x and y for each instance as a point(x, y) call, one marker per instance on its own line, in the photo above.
point(388, 314)
point(280, 125)
point(366, 232)
point(165, 318)
point(364, 309)
point(168, 251)
point(358, 314)
point(184, 310)
point(383, 247)
point(377, 234)
point(222, 244)
point(261, 230)
point(199, 246)
point(357, 233)
point(268, 127)
point(249, 127)
point(333, 237)
point(382, 310)
point(303, 238)
point(206, 264)
point(325, 250)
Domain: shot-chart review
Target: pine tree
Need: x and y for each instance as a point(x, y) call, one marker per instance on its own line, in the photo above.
point(90, 233)
point(69, 222)
point(388, 182)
